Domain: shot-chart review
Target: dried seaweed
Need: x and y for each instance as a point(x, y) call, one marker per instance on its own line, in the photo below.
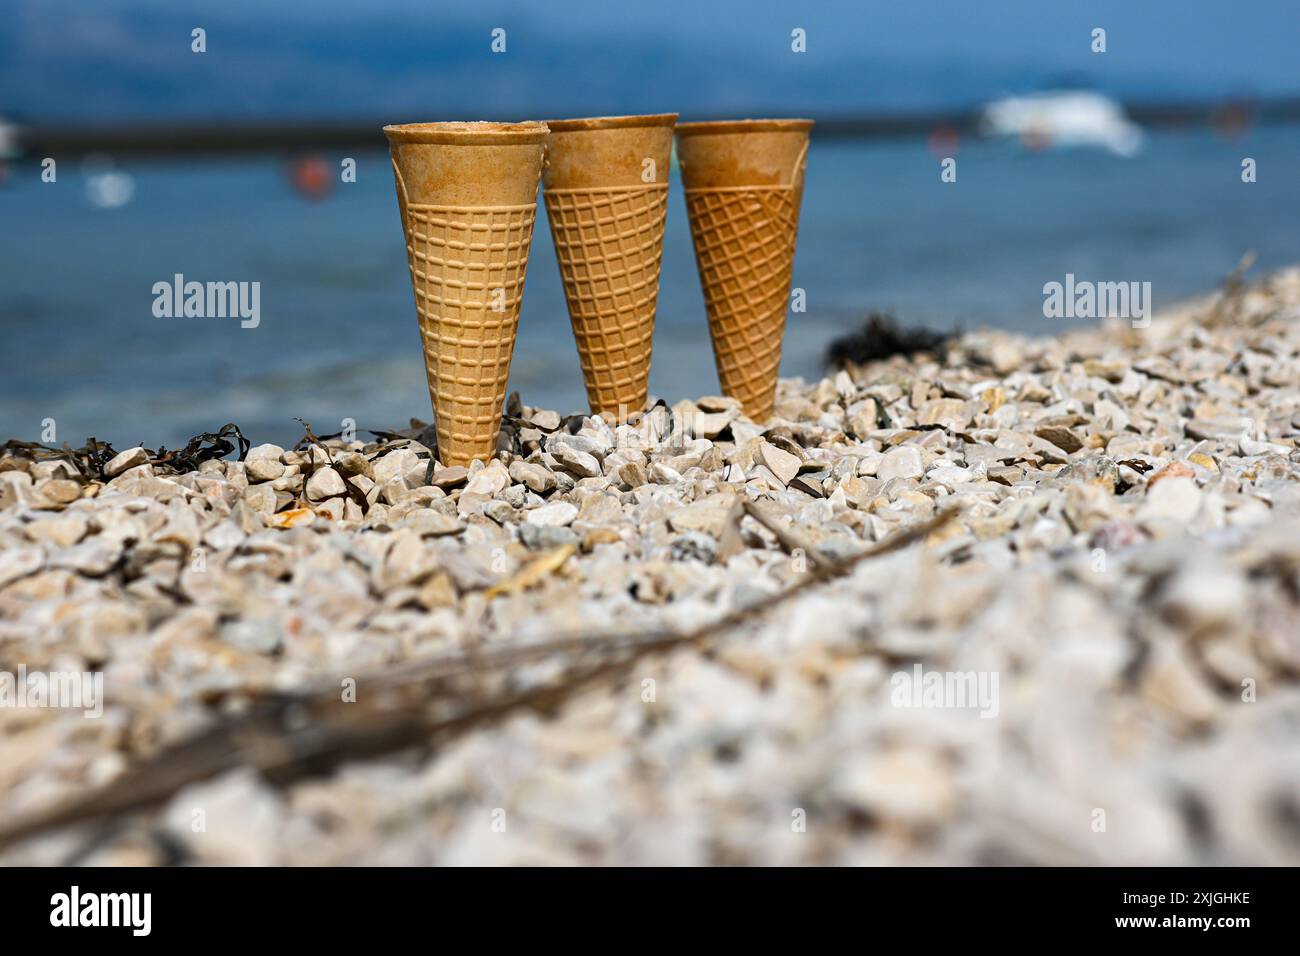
point(209, 446)
point(88, 461)
point(880, 338)
point(92, 458)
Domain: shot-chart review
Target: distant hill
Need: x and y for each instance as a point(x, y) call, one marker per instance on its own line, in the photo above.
point(131, 60)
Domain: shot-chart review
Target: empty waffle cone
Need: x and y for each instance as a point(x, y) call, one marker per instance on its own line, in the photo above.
point(606, 188)
point(468, 198)
point(744, 184)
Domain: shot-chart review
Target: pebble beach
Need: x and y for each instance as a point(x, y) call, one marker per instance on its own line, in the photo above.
point(690, 638)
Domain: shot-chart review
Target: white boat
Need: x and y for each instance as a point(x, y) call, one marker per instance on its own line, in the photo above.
point(1063, 118)
point(8, 140)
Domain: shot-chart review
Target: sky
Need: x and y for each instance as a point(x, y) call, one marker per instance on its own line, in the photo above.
point(131, 60)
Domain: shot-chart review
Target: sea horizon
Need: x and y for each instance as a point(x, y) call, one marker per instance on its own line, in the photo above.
point(337, 339)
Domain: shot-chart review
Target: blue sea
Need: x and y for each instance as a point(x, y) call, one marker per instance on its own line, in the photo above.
point(337, 337)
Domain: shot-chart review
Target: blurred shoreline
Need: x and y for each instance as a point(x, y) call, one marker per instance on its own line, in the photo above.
point(224, 137)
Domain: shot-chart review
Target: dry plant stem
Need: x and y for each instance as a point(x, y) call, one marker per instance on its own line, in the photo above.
point(788, 540)
point(294, 736)
point(462, 662)
point(1227, 307)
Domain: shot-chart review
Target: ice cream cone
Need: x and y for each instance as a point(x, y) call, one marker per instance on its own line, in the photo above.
point(744, 184)
point(606, 188)
point(468, 198)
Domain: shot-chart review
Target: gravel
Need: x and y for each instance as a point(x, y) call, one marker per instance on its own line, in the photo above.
point(1096, 662)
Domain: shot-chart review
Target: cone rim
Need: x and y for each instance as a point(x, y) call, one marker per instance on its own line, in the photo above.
point(707, 127)
point(590, 123)
point(475, 133)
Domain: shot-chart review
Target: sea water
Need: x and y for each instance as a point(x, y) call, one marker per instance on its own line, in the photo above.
point(337, 334)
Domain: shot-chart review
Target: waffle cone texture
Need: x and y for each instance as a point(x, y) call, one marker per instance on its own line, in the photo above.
point(606, 190)
point(744, 186)
point(468, 199)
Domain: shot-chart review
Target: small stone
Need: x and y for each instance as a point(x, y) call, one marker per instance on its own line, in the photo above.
point(1061, 437)
point(1249, 446)
point(126, 460)
point(594, 442)
point(500, 511)
point(913, 788)
point(1005, 474)
point(598, 536)
point(1175, 469)
point(534, 477)
point(952, 413)
point(545, 537)
point(61, 491)
point(718, 403)
point(263, 469)
point(711, 424)
point(291, 481)
point(949, 475)
point(1204, 596)
point(253, 815)
point(1112, 370)
point(1172, 683)
point(1215, 429)
point(554, 515)
point(1176, 499)
point(261, 498)
point(808, 484)
point(1004, 357)
point(325, 483)
point(1096, 470)
point(694, 546)
point(600, 509)
point(351, 464)
point(396, 466)
point(16, 563)
point(545, 419)
point(902, 461)
point(331, 509)
point(489, 481)
point(469, 503)
point(781, 463)
point(63, 530)
point(431, 523)
point(709, 515)
point(264, 452)
point(633, 474)
point(661, 474)
point(575, 462)
point(1110, 416)
point(438, 591)
point(93, 557)
point(450, 477)
point(993, 398)
point(293, 518)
